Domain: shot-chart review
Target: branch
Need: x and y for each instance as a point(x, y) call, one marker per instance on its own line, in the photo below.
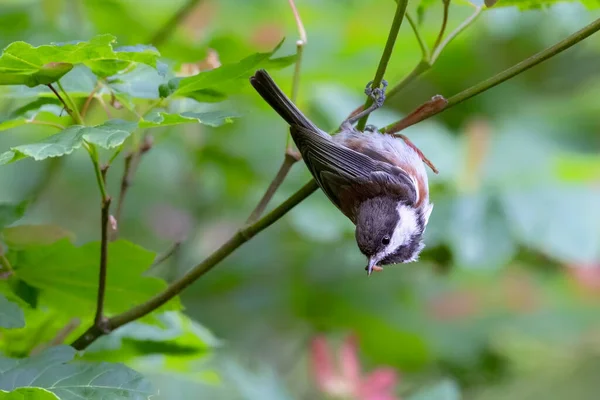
point(498, 78)
point(167, 29)
point(289, 160)
point(246, 233)
point(385, 57)
point(242, 236)
point(132, 161)
point(100, 320)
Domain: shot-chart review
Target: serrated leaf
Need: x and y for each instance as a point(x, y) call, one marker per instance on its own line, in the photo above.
point(10, 213)
point(35, 105)
point(174, 334)
point(108, 135)
point(68, 276)
point(24, 64)
point(28, 394)
point(209, 118)
point(214, 85)
point(11, 315)
point(32, 117)
point(52, 370)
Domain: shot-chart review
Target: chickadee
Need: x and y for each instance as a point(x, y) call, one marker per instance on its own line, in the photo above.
point(378, 181)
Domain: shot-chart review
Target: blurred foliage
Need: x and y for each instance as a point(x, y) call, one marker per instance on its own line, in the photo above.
point(504, 302)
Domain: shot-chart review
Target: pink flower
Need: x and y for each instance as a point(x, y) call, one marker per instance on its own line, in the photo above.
point(342, 378)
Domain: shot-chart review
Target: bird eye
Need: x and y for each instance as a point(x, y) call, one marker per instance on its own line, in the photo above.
point(386, 240)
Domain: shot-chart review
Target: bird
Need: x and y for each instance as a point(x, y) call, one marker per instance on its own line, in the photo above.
point(376, 180)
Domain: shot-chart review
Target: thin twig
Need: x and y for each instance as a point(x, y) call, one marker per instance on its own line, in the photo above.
point(385, 57)
point(59, 338)
point(440, 36)
point(420, 40)
point(169, 27)
point(288, 161)
point(52, 124)
point(88, 100)
point(161, 258)
point(504, 75)
point(74, 111)
point(240, 237)
point(433, 106)
point(246, 233)
point(439, 48)
point(131, 163)
point(299, 24)
point(100, 320)
point(64, 103)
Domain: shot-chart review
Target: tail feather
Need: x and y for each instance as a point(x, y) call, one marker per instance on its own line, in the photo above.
point(270, 92)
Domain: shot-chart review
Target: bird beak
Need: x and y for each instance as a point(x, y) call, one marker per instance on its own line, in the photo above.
point(372, 261)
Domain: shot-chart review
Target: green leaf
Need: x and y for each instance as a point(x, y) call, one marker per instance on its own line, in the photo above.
point(28, 394)
point(10, 213)
point(68, 276)
point(214, 85)
point(35, 105)
point(24, 64)
point(175, 335)
point(22, 236)
point(110, 134)
point(11, 315)
point(446, 390)
point(42, 116)
point(210, 118)
point(53, 370)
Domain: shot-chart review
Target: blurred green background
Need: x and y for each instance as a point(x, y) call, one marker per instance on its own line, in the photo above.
point(505, 300)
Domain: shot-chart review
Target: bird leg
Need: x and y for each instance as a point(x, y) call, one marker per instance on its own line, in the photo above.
point(378, 97)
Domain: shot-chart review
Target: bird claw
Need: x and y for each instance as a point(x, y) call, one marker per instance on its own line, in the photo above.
point(376, 94)
point(370, 128)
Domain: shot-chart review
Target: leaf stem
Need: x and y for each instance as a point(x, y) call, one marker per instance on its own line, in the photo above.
point(437, 50)
point(239, 238)
point(420, 40)
point(502, 76)
point(74, 111)
point(385, 57)
point(88, 100)
point(131, 163)
point(93, 152)
point(52, 124)
point(440, 36)
point(289, 160)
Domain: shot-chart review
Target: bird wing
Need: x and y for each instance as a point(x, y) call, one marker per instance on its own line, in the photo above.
point(348, 177)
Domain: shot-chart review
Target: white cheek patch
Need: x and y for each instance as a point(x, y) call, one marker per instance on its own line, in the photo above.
point(407, 226)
